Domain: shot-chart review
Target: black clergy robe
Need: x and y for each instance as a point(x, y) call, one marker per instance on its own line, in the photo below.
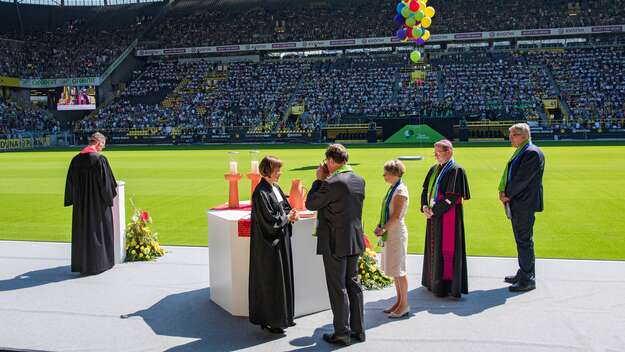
point(271, 292)
point(445, 258)
point(91, 187)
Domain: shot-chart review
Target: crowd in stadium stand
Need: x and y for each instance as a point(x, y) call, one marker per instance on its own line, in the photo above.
point(157, 78)
point(497, 87)
point(78, 49)
point(192, 25)
point(15, 119)
point(475, 86)
point(591, 81)
point(65, 42)
point(360, 86)
point(250, 95)
point(73, 50)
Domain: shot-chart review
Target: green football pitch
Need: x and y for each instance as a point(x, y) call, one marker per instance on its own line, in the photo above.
point(584, 193)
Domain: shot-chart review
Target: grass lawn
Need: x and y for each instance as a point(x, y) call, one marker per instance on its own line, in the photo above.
point(584, 193)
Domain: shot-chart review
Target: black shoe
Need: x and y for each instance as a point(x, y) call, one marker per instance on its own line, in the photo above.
point(522, 286)
point(337, 340)
point(272, 330)
point(360, 336)
point(513, 279)
point(292, 323)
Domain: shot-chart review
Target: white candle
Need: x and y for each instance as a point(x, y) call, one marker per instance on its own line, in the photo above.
point(254, 166)
point(233, 167)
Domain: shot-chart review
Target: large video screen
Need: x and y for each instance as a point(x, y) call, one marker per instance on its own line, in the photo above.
point(77, 98)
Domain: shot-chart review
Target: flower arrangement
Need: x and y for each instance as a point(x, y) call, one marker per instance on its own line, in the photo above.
point(369, 274)
point(141, 243)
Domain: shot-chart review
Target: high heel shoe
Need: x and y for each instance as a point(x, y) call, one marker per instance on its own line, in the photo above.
point(401, 314)
point(388, 310)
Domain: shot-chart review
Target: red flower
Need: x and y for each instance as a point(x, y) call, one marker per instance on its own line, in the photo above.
point(367, 243)
point(145, 216)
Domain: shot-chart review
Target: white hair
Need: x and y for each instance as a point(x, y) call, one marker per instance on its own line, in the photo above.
point(97, 137)
point(521, 128)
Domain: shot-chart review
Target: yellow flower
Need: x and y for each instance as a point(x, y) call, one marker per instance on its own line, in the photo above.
point(133, 243)
point(141, 255)
point(133, 252)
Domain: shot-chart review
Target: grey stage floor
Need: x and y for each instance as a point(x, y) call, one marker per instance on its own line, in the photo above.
point(579, 305)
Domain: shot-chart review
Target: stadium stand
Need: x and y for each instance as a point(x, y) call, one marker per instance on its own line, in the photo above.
point(202, 23)
point(69, 42)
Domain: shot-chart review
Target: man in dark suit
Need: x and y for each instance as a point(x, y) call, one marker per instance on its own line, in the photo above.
point(521, 191)
point(338, 195)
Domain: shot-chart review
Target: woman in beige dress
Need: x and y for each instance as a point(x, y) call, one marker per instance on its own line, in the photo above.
point(393, 234)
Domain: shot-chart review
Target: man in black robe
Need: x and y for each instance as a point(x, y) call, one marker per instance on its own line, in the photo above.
point(271, 289)
point(445, 258)
point(91, 188)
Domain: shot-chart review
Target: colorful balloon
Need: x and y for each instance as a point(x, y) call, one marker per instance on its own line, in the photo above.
point(414, 6)
point(415, 56)
point(399, 19)
point(400, 7)
point(419, 15)
point(406, 12)
point(402, 34)
point(411, 22)
point(417, 32)
point(426, 35)
point(429, 11)
point(426, 22)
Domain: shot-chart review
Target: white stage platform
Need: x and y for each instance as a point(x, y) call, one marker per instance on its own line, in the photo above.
point(578, 306)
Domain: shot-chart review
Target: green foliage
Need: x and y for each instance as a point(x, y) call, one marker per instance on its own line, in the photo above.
point(141, 243)
point(369, 274)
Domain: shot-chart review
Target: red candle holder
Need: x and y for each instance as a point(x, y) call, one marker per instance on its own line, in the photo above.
point(233, 192)
point(255, 179)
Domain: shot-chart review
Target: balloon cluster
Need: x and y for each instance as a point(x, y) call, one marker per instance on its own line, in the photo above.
point(414, 18)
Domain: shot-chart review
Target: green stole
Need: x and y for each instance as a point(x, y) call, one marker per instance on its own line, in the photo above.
point(504, 178)
point(385, 207)
point(342, 169)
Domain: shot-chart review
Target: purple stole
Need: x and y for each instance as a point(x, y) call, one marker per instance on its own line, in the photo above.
point(449, 239)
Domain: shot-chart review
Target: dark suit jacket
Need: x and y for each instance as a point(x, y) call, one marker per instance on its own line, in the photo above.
point(525, 188)
point(338, 201)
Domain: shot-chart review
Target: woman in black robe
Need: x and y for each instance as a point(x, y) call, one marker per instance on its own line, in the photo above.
point(271, 292)
point(445, 257)
point(91, 187)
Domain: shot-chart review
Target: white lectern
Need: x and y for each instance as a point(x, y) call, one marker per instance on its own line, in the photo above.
point(119, 223)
